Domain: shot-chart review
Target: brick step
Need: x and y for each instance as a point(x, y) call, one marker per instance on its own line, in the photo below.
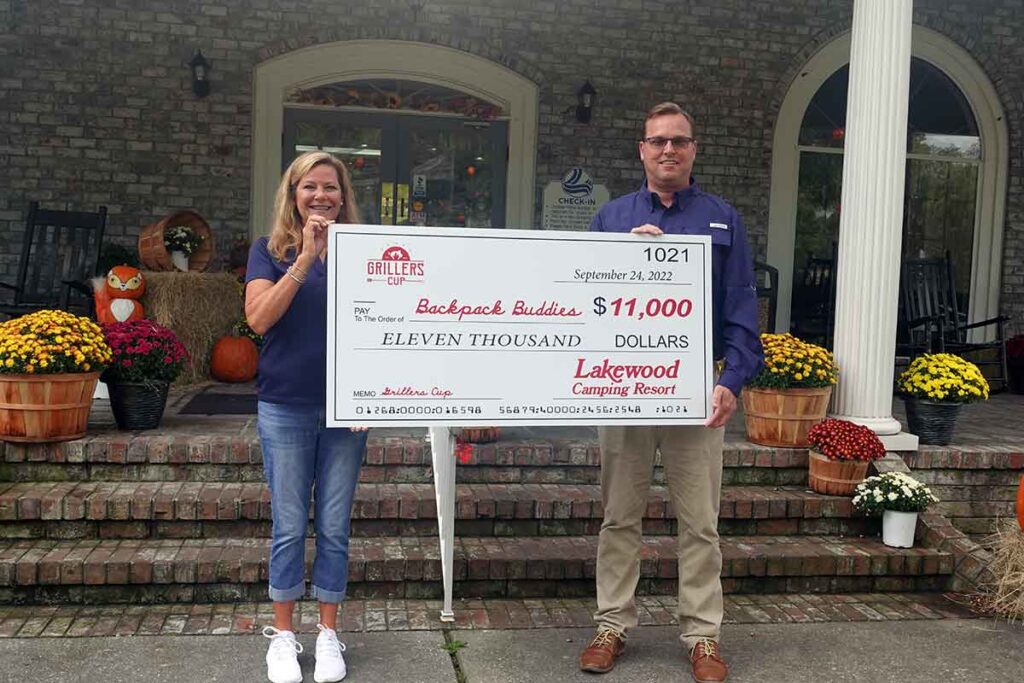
point(224, 570)
point(388, 459)
point(66, 511)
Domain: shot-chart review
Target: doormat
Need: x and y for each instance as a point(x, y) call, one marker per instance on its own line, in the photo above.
point(213, 403)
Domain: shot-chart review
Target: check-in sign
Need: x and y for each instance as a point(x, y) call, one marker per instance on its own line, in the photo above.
point(459, 326)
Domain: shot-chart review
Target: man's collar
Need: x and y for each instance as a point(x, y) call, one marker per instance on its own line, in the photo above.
point(680, 195)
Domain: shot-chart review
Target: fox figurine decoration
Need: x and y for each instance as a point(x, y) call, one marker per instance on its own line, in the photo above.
point(116, 295)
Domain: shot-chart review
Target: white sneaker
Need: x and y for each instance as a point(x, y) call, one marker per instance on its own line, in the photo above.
point(330, 665)
point(282, 656)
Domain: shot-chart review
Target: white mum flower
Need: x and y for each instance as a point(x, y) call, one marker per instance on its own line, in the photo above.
point(893, 496)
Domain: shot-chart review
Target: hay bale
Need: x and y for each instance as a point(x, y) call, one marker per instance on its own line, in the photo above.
point(1006, 595)
point(200, 308)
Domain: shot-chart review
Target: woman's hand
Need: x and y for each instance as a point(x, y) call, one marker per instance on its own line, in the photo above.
point(314, 239)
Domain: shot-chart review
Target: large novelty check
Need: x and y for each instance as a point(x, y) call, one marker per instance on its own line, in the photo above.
point(459, 326)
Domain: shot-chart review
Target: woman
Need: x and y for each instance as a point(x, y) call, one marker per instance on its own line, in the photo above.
point(286, 302)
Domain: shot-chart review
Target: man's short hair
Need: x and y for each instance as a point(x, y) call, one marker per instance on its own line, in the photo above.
point(665, 109)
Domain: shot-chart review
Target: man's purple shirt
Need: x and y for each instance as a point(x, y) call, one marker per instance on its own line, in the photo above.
point(734, 297)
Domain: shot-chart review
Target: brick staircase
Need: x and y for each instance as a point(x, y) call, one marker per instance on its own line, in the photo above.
point(136, 519)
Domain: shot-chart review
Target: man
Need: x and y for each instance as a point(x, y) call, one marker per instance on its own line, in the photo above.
point(671, 202)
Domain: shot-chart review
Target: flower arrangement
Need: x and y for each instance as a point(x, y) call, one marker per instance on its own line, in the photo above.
point(892, 491)
point(844, 440)
point(143, 351)
point(943, 377)
point(182, 238)
point(49, 342)
point(792, 363)
point(242, 329)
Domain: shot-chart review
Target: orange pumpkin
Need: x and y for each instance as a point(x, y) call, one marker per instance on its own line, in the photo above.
point(1020, 504)
point(234, 359)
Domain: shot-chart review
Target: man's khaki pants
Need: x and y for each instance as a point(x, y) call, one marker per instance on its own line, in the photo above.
point(692, 458)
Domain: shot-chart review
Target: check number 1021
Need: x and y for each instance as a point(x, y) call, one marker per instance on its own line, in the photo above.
point(667, 255)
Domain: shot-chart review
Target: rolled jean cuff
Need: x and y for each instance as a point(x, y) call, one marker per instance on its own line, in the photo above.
point(289, 594)
point(323, 595)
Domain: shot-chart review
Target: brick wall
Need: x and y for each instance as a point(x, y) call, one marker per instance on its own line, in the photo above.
point(96, 106)
point(975, 490)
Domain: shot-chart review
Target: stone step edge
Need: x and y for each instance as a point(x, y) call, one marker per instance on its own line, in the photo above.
point(30, 563)
point(242, 450)
point(401, 614)
point(218, 501)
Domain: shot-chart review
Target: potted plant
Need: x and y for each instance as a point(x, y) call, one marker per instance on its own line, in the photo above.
point(1015, 363)
point(180, 241)
point(49, 364)
point(934, 387)
point(899, 497)
point(790, 394)
point(839, 456)
point(146, 358)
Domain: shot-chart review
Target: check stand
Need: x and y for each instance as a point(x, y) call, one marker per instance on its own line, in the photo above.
point(443, 460)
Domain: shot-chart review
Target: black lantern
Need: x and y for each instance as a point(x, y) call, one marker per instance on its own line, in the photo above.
point(200, 75)
point(585, 102)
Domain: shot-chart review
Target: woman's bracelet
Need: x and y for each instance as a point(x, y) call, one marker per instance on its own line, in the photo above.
point(302, 271)
point(290, 274)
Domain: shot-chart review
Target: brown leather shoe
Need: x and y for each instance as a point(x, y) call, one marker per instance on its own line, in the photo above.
point(599, 657)
point(707, 663)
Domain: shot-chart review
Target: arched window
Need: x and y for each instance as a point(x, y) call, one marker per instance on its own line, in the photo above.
point(943, 157)
point(955, 180)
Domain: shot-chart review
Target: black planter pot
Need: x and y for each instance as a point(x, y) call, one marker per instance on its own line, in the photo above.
point(1015, 380)
point(137, 405)
point(932, 421)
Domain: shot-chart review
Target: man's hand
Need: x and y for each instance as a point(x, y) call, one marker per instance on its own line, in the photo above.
point(647, 229)
point(723, 405)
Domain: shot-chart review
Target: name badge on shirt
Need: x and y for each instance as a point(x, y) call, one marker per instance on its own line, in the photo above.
point(718, 226)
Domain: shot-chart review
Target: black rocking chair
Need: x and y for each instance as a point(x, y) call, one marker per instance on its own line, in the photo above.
point(766, 280)
point(59, 253)
point(931, 320)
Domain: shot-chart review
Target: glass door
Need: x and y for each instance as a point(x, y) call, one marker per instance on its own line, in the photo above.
point(454, 171)
point(366, 143)
point(411, 170)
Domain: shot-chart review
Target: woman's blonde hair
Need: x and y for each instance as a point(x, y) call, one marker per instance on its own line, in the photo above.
point(286, 236)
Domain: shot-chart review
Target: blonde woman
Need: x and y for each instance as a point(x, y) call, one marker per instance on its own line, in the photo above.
point(286, 302)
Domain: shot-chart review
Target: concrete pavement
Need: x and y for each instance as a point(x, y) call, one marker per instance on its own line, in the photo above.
point(950, 650)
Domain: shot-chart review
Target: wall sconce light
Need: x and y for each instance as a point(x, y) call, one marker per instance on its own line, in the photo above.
point(585, 102)
point(200, 75)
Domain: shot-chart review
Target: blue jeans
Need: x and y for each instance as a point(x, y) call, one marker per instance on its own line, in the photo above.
point(301, 457)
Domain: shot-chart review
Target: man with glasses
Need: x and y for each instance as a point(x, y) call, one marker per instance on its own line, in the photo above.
point(671, 202)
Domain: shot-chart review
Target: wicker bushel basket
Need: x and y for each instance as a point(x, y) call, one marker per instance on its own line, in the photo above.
point(39, 408)
point(834, 477)
point(479, 434)
point(137, 405)
point(783, 417)
point(932, 421)
point(154, 255)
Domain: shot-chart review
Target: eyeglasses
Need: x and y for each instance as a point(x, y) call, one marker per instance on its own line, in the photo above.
point(678, 142)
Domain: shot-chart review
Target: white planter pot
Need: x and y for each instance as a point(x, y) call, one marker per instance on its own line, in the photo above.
point(898, 528)
point(101, 388)
point(180, 260)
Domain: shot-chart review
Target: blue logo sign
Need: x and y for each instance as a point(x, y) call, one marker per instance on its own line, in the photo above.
point(577, 182)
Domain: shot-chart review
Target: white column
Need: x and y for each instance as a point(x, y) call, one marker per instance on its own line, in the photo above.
point(870, 225)
point(443, 458)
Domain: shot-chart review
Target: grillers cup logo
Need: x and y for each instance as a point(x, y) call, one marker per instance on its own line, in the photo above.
point(394, 267)
point(577, 183)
